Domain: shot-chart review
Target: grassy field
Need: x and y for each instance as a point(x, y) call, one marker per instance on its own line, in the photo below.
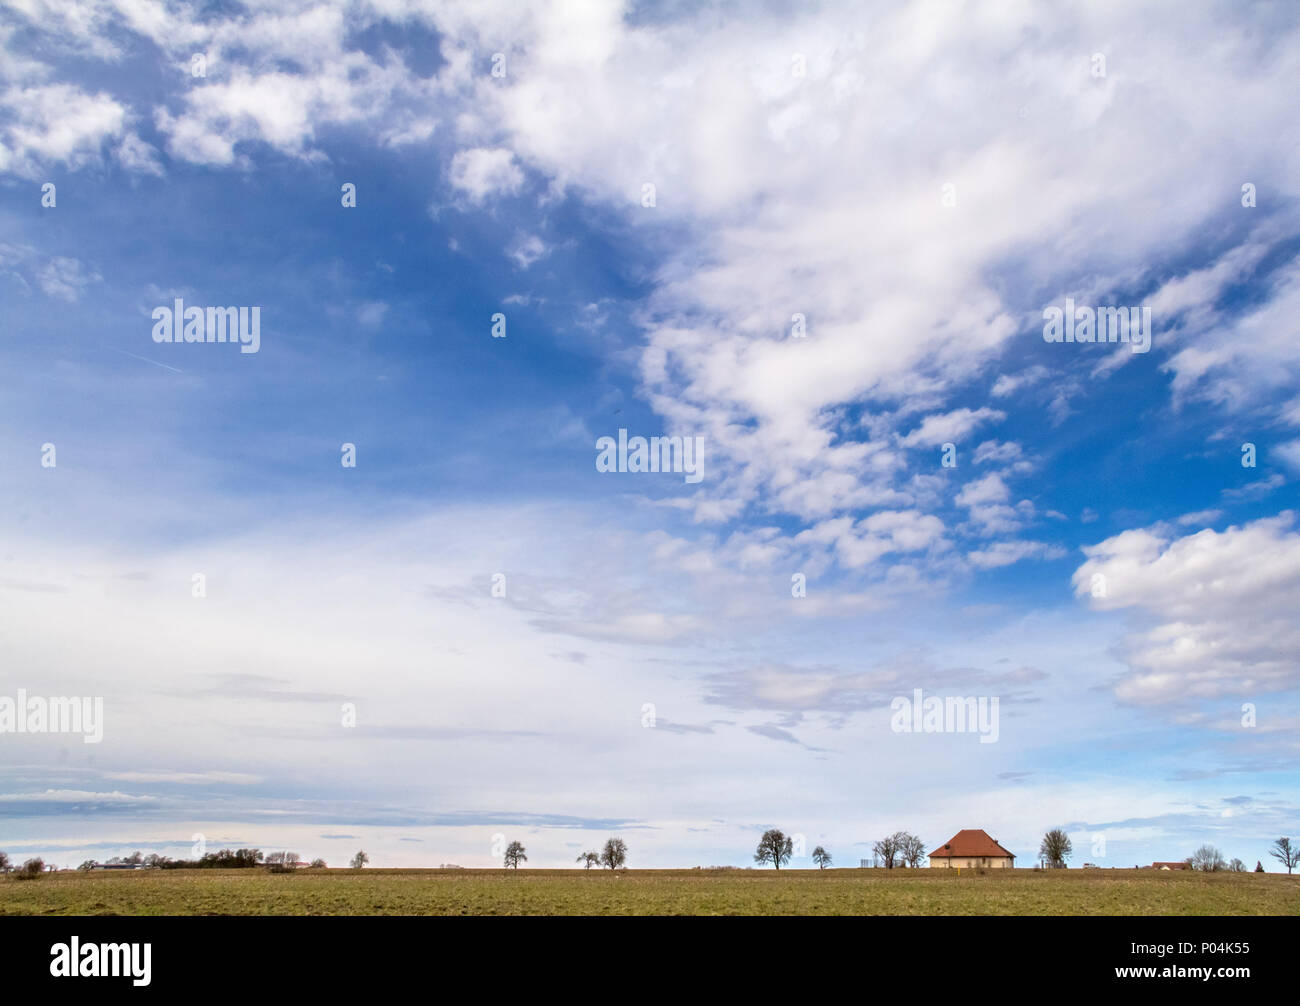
point(651, 892)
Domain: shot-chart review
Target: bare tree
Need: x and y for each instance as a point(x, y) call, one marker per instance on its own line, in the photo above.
point(360, 860)
point(909, 848)
point(5, 865)
point(1208, 859)
point(886, 850)
point(588, 860)
point(282, 862)
point(1237, 866)
point(515, 855)
point(1056, 848)
point(1285, 853)
point(774, 847)
point(821, 857)
point(614, 855)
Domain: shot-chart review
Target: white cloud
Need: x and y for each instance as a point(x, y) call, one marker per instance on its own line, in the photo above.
point(527, 249)
point(1235, 357)
point(61, 124)
point(1004, 553)
point(482, 172)
point(1008, 384)
point(187, 778)
point(999, 452)
point(801, 195)
point(372, 313)
point(1289, 452)
point(75, 796)
point(1222, 607)
point(950, 427)
point(988, 489)
point(66, 278)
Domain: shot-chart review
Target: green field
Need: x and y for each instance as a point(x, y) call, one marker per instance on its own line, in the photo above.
point(651, 892)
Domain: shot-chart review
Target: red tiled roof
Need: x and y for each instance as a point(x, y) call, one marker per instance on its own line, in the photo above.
point(972, 842)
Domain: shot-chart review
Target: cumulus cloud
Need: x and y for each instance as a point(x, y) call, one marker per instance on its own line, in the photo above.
point(61, 124)
point(796, 204)
point(482, 172)
point(1004, 553)
point(1289, 452)
point(949, 427)
point(66, 278)
point(1220, 608)
point(796, 193)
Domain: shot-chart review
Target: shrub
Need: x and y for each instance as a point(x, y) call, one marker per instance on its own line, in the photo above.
point(31, 869)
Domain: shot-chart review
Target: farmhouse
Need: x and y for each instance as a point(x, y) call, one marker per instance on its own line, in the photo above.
point(1167, 866)
point(972, 847)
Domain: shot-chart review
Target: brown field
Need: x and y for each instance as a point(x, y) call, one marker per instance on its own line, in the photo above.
point(651, 892)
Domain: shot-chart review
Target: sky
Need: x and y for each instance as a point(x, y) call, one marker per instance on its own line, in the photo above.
point(361, 583)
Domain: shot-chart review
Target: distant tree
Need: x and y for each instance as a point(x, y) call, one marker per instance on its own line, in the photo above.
point(1056, 848)
point(515, 855)
point(614, 855)
point(1236, 866)
point(5, 865)
point(31, 869)
point(89, 864)
point(821, 857)
point(360, 860)
point(886, 850)
point(910, 849)
point(318, 864)
point(1259, 867)
point(1286, 853)
point(1208, 859)
point(282, 862)
point(588, 860)
point(155, 861)
point(774, 847)
point(135, 859)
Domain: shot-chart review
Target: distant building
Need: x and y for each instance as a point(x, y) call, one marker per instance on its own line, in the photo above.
point(972, 847)
point(1168, 866)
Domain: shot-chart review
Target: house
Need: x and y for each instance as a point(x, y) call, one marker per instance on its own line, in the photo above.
point(1168, 866)
point(972, 847)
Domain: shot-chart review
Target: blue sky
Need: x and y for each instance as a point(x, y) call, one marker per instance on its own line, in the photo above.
point(918, 183)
